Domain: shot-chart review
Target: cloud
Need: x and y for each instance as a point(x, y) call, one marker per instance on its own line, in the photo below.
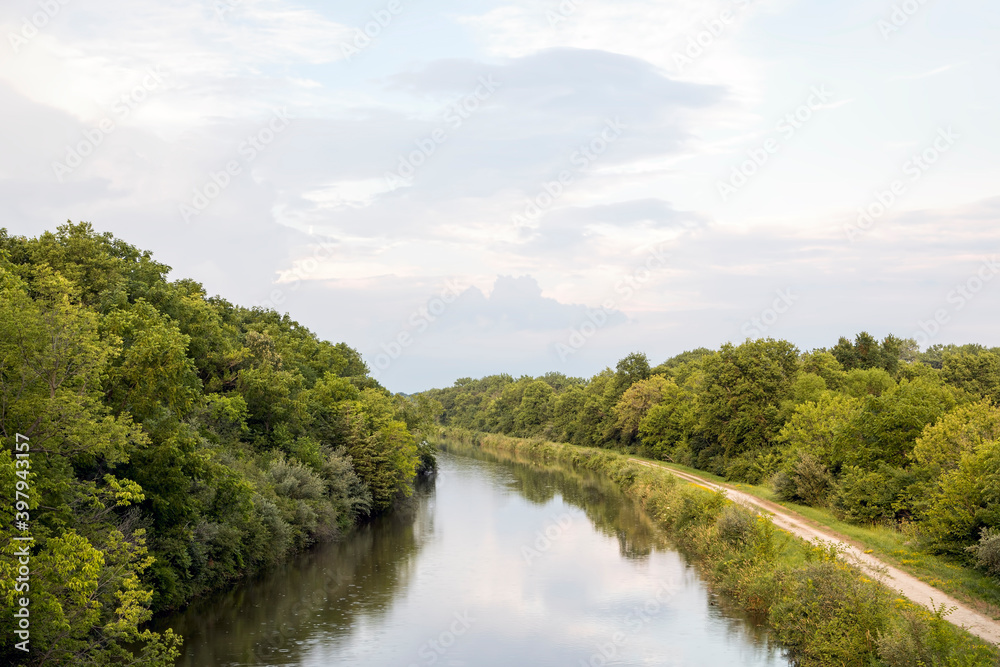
point(516, 304)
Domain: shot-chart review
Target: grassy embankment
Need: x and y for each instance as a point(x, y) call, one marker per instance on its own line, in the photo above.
point(892, 545)
point(823, 611)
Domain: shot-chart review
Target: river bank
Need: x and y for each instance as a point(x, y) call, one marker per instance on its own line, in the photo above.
point(824, 611)
point(495, 562)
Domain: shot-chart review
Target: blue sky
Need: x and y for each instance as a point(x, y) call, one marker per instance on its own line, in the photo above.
point(514, 186)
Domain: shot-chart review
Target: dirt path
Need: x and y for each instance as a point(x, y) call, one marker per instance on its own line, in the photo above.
point(911, 587)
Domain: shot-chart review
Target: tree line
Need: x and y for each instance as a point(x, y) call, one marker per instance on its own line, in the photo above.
point(178, 442)
point(877, 431)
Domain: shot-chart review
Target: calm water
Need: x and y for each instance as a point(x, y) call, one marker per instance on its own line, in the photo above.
point(496, 563)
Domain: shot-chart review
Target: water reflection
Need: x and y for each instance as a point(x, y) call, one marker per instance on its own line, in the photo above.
point(324, 593)
point(498, 562)
point(595, 494)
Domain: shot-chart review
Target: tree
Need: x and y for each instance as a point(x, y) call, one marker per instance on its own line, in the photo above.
point(866, 352)
point(886, 427)
point(152, 370)
point(744, 388)
point(816, 428)
point(535, 409)
point(637, 401)
point(962, 432)
point(668, 426)
point(966, 501)
point(977, 373)
point(630, 369)
point(825, 365)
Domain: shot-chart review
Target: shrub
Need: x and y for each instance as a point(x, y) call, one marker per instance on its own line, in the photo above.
point(742, 469)
point(292, 479)
point(736, 525)
point(917, 637)
point(829, 615)
point(987, 552)
point(871, 496)
point(805, 480)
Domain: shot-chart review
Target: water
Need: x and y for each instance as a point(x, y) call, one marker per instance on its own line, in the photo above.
point(495, 563)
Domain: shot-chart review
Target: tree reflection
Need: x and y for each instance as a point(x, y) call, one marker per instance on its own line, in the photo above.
point(607, 508)
point(270, 621)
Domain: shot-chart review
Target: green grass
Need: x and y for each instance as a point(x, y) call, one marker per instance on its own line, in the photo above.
point(889, 544)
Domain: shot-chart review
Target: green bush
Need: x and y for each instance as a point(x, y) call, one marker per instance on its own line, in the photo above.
point(736, 525)
point(987, 552)
point(829, 615)
point(919, 638)
point(872, 496)
point(805, 480)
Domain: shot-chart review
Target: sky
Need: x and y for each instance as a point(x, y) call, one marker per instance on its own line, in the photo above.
point(457, 189)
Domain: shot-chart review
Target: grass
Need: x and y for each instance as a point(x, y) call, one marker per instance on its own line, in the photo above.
point(887, 543)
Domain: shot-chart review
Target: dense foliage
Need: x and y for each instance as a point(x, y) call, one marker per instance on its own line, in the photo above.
point(177, 442)
point(875, 430)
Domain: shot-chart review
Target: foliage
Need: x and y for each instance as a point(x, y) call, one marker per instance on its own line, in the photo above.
point(830, 615)
point(804, 480)
point(178, 442)
point(637, 401)
point(744, 388)
point(987, 551)
point(876, 430)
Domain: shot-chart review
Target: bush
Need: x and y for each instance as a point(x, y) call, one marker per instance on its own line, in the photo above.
point(806, 480)
point(872, 496)
point(743, 468)
point(987, 552)
point(736, 525)
point(830, 616)
point(919, 637)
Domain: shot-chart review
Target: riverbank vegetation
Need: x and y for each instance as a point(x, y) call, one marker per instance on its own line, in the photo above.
point(875, 432)
point(821, 610)
point(177, 443)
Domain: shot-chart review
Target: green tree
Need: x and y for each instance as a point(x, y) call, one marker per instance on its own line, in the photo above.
point(817, 428)
point(978, 374)
point(630, 369)
point(886, 427)
point(744, 388)
point(667, 428)
point(638, 400)
point(535, 410)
